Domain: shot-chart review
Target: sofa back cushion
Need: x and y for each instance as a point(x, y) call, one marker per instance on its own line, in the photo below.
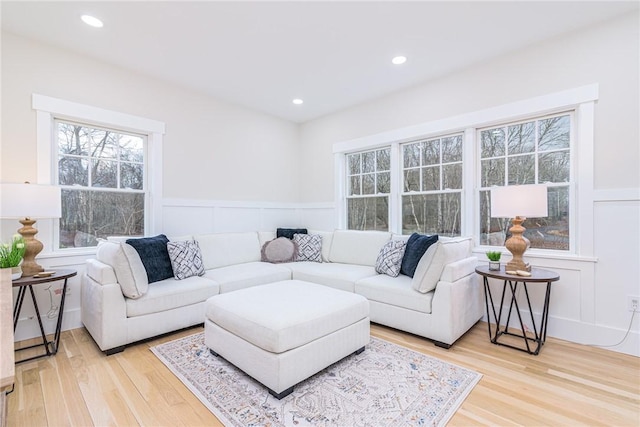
point(432, 263)
point(327, 238)
point(357, 247)
point(127, 266)
point(223, 249)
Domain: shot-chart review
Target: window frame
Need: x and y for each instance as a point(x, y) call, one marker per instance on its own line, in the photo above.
point(49, 110)
point(443, 190)
point(580, 100)
point(571, 184)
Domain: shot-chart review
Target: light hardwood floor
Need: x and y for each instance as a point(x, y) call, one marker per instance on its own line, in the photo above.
point(567, 384)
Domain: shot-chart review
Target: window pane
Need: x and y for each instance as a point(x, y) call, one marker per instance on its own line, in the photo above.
point(88, 215)
point(73, 171)
point(554, 167)
point(432, 213)
point(554, 133)
point(492, 172)
point(452, 149)
point(431, 152)
point(72, 140)
point(492, 142)
point(104, 173)
point(522, 170)
point(354, 164)
point(384, 182)
point(452, 177)
point(131, 148)
point(522, 138)
point(369, 162)
point(131, 176)
point(411, 155)
point(431, 178)
point(368, 184)
point(383, 158)
point(412, 180)
point(354, 189)
point(492, 230)
point(104, 144)
point(368, 213)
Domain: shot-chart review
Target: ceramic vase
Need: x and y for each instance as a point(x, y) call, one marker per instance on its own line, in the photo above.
point(16, 273)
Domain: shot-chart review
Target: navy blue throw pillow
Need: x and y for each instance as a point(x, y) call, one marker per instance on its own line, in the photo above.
point(154, 255)
point(417, 245)
point(289, 232)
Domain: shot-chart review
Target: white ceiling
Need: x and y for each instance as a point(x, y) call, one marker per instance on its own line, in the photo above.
point(332, 54)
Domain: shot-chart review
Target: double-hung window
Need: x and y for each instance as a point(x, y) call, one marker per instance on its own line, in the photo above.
point(369, 185)
point(102, 175)
point(432, 190)
point(530, 152)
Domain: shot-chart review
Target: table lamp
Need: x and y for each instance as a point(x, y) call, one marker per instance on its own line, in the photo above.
point(518, 202)
point(28, 202)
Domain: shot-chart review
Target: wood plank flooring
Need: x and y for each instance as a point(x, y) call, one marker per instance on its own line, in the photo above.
point(567, 384)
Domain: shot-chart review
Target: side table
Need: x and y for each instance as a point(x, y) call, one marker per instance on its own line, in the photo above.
point(512, 281)
point(24, 283)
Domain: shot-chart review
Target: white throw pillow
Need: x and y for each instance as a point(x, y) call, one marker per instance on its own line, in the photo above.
point(127, 265)
point(390, 258)
point(309, 247)
point(438, 255)
point(186, 259)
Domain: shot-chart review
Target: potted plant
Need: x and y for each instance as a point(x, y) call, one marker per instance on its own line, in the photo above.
point(11, 255)
point(494, 260)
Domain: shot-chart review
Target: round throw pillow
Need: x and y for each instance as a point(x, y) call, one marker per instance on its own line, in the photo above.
point(279, 250)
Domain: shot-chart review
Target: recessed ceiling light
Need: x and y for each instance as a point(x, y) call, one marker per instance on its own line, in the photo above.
point(399, 60)
point(92, 21)
point(297, 101)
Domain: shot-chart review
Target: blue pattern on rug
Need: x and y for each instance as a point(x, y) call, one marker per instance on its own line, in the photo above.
point(386, 385)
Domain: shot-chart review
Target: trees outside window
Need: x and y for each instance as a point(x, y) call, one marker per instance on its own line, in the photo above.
point(430, 195)
point(102, 175)
point(531, 152)
point(432, 186)
point(369, 185)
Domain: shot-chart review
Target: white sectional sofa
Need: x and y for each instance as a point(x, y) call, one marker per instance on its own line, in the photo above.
point(441, 302)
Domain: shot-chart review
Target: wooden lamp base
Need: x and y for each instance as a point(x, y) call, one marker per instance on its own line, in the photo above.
point(33, 247)
point(517, 244)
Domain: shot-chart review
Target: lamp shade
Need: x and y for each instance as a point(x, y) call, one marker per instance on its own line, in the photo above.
point(30, 201)
point(529, 201)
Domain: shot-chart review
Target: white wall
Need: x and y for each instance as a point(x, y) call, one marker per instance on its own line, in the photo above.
point(212, 150)
point(589, 304)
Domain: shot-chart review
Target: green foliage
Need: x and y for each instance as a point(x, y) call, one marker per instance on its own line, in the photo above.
point(494, 255)
point(11, 254)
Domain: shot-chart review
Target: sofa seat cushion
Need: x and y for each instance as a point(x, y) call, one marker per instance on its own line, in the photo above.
point(335, 275)
point(170, 293)
point(240, 276)
point(284, 315)
point(395, 291)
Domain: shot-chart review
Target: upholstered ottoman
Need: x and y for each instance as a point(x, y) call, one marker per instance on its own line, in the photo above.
point(284, 332)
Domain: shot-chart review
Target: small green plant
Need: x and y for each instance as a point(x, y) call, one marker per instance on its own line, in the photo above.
point(494, 255)
point(11, 254)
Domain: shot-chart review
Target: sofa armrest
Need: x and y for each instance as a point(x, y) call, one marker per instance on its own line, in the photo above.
point(104, 311)
point(458, 269)
point(100, 272)
point(457, 306)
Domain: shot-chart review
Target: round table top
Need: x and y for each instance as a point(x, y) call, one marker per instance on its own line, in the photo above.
point(32, 280)
point(537, 274)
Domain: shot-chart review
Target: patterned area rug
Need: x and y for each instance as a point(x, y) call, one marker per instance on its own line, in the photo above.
point(386, 385)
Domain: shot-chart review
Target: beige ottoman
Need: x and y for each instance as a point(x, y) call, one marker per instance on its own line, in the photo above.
point(284, 332)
